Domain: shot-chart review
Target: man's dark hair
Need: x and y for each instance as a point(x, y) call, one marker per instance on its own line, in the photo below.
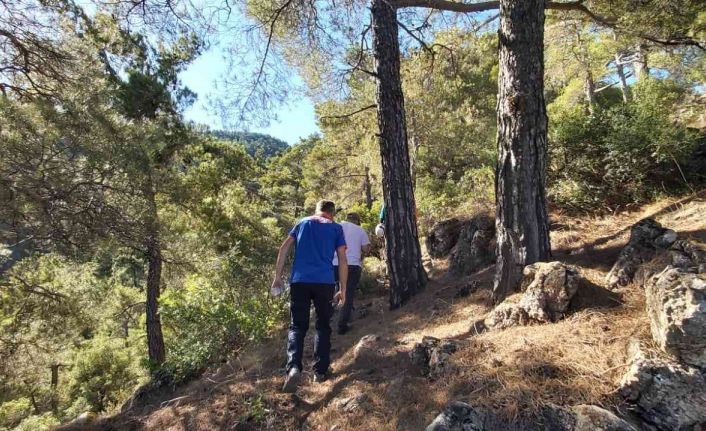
point(326, 206)
point(353, 217)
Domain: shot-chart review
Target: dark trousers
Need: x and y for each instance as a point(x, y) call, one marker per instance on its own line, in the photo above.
point(302, 295)
point(354, 272)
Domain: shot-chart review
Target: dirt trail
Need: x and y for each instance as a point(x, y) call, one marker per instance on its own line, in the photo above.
point(513, 372)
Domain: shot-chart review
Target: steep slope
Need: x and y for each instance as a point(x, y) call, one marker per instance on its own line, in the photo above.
point(514, 372)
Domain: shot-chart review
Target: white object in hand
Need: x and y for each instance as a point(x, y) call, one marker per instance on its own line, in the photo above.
point(276, 291)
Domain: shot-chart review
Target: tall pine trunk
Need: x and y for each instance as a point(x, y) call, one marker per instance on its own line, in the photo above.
point(521, 220)
point(155, 339)
point(404, 257)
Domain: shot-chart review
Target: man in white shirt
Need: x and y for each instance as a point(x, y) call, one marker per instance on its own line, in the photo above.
point(358, 244)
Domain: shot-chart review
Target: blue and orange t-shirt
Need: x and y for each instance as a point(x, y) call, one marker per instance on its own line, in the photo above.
point(317, 239)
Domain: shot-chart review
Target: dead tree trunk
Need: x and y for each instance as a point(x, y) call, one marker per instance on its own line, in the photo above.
point(521, 220)
point(155, 339)
point(404, 258)
point(622, 78)
point(640, 66)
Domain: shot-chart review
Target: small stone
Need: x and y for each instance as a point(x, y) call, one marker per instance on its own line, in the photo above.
point(352, 403)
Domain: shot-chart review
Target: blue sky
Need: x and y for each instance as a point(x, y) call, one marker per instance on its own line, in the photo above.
point(295, 121)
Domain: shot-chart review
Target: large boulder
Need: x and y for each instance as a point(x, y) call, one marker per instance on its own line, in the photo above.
point(647, 238)
point(547, 291)
point(443, 237)
point(666, 395)
point(676, 305)
point(459, 416)
point(594, 418)
point(475, 248)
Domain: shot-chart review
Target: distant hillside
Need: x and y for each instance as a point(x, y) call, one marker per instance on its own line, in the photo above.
point(258, 145)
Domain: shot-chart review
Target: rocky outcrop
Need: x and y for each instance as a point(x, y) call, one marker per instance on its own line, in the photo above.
point(469, 244)
point(443, 237)
point(432, 354)
point(459, 416)
point(647, 238)
point(594, 418)
point(547, 291)
point(676, 305)
point(353, 403)
point(475, 248)
point(665, 394)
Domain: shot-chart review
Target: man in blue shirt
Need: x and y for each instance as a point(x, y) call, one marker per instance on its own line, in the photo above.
point(316, 238)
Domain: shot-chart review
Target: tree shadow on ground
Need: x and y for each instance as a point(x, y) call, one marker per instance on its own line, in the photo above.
point(590, 295)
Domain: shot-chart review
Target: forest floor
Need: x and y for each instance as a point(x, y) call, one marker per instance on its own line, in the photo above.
point(513, 372)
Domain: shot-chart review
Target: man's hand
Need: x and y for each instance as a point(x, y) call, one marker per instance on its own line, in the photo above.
point(277, 287)
point(339, 298)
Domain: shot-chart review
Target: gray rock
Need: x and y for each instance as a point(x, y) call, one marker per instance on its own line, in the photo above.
point(548, 288)
point(688, 256)
point(594, 418)
point(676, 305)
point(432, 354)
point(458, 416)
point(666, 239)
point(351, 404)
point(443, 236)
point(475, 248)
point(665, 394)
point(367, 352)
point(647, 237)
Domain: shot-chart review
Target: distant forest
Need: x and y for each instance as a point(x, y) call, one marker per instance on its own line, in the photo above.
point(258, 145)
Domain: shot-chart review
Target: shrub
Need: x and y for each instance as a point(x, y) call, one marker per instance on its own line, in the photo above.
point(619, 154)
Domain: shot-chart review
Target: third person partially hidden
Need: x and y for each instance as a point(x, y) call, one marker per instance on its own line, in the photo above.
point(358, 245)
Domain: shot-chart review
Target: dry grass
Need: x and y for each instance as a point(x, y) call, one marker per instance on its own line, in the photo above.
point(512, 372)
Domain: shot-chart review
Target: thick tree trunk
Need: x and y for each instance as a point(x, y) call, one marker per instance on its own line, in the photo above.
point(155, 339)
point(404, 257)
point(521, 220)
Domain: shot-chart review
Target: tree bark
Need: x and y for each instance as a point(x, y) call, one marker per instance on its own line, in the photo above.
point(404, 257)
point(155, 339)
point(368, 189)
point(522, 221)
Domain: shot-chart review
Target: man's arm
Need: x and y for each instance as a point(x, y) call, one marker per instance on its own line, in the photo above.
point(365, 249)
point(281, 258)
point(342, 274)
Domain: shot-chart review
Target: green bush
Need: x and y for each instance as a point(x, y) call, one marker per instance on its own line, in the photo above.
point(620, 154)
point(104, 373)
point(228, 318)
point(43, 422)
point(13, 412)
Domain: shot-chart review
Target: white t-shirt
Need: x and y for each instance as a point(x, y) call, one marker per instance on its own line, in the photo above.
point(356, 238)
